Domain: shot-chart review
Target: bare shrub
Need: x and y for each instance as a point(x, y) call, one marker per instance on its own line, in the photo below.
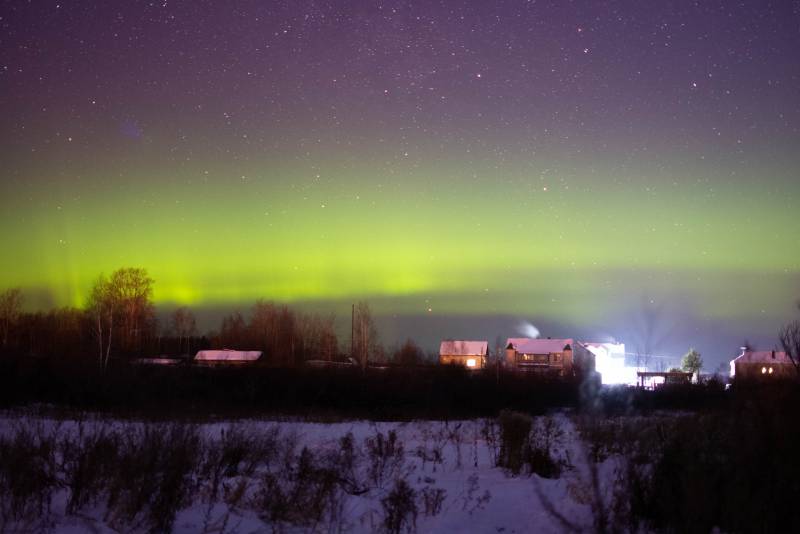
point(541, 455)
point(400, 508)
point(306, 494)
point(385, 457)
point(515, 429)
point(490, 431)
point(454, 437)
point(472, 498)
point(345, 462)
point(89, 462)
point(153, 479)
point(27, 479)
point(432, 500)
point(432, 447)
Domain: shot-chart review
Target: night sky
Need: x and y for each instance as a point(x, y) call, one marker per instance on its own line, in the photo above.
point(625, 170)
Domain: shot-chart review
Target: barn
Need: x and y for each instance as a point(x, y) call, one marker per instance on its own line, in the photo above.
point(470, 354)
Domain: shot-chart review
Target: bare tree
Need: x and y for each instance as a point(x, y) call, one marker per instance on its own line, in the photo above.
point(100, 307)
point(409, 354)
point(184, 325)
point(121, 302)
point(316, 336)
point(790, 340)
point(10, 306)
point(273, 329)
point(130, 290)
point(364, 334)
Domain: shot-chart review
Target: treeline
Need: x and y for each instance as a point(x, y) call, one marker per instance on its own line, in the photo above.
point(119, 322)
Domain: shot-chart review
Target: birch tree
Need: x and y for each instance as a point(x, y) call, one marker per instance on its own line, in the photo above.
point(364, 334)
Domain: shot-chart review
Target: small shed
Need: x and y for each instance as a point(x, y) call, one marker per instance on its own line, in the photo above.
point(227, 356)
point(470, 354)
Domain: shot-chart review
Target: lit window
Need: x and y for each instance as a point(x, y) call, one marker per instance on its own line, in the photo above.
point(471, 362)
point(770, 370)
point(763, 370)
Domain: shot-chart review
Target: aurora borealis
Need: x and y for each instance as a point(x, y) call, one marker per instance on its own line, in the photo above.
point(461, 165)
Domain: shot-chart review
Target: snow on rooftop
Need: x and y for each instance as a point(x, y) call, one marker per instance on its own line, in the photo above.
point(526, 345)
point(227, 355)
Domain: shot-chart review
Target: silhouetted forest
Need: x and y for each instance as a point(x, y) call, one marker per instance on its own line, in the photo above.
point(119, 323)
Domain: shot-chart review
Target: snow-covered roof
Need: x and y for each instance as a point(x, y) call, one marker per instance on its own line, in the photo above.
point(525, 345)
point(762, 356)
point(227, 355)
point(463, 348)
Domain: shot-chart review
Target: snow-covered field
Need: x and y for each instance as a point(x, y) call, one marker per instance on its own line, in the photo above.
point(450, 466)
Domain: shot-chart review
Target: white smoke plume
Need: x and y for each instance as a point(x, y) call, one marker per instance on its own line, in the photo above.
point(528, 330)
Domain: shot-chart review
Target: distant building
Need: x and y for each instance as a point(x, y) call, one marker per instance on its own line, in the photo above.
point(657, 379)
point(160, 360)
point(762, 365)
point(612, 363)
point(470, 354)
point(559, 357)
point(226, 356)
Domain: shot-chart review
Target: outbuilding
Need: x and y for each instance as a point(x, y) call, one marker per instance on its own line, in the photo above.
point(470, 354)
point(227, 357)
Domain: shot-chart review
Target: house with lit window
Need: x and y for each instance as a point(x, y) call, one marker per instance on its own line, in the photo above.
point(762, 365)
point(470, 354)
point(556, 357)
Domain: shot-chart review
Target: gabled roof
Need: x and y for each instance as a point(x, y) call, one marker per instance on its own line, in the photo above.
point(762, 356)
point(526, 345)
point(463, 348)
point(227, 355)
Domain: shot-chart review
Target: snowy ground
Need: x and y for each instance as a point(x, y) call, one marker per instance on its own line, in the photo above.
point(478, 497)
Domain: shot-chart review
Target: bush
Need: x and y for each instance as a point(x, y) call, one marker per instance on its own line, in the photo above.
point(385, 456)
point(153, 477)
point(304, 494)
point(89, 464)
point(400, 508)
point(27, 479)
point(540, 455)
point(515, 429)
point(432, 500)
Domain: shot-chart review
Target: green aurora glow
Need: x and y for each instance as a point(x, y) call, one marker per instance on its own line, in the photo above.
point(281, 233)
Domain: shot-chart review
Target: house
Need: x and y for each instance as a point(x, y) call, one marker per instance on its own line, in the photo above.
point(226, 357)
point(762, 365)
point(559, 357)
point(470, 354)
